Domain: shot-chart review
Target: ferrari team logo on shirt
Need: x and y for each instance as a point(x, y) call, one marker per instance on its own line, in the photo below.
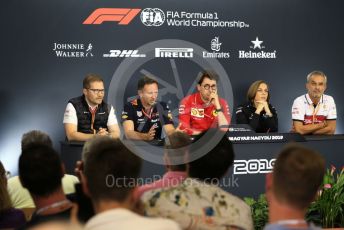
point(196, 112)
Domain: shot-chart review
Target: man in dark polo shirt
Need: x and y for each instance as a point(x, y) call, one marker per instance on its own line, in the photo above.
point(89, 115)
point(143, 118)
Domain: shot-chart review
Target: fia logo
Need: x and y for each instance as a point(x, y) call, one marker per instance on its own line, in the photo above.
point(152, 17)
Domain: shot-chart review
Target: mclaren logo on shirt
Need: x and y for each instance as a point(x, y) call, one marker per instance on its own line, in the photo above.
point(197, 112)
point(124, 115)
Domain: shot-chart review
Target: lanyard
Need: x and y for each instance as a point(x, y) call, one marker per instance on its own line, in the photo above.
point(150, 113)
point(53, 205)
point(93, 114)
point(315, 111)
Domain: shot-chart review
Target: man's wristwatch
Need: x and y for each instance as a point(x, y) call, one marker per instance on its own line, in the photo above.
point(218, 110)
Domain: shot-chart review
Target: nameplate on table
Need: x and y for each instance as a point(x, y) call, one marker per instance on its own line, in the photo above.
point(245, 137)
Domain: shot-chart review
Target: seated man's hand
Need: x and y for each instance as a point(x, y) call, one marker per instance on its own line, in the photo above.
point(151, 133)
point(187, 130)
point(214, 99)
point(102, 132)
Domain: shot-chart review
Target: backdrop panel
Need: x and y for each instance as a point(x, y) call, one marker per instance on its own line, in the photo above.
point(49, 46)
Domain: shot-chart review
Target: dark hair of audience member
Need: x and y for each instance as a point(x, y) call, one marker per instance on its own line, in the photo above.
point(298, 172)
point(176, 150)
point(35, 137)
point(215, 163)
point(111, 170)
point(40, 169)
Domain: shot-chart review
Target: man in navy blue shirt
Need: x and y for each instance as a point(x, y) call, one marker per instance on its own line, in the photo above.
point(143, 118)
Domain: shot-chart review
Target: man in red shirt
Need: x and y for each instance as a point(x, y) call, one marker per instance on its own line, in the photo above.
point(205, 109)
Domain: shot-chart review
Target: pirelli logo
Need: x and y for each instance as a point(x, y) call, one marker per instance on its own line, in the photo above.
point(121, 15)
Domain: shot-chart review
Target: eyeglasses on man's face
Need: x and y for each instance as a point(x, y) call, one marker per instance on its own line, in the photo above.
point(207, 86)
point(97, 91)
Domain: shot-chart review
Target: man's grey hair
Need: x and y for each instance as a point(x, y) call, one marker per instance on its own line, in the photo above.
point(316, 73)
